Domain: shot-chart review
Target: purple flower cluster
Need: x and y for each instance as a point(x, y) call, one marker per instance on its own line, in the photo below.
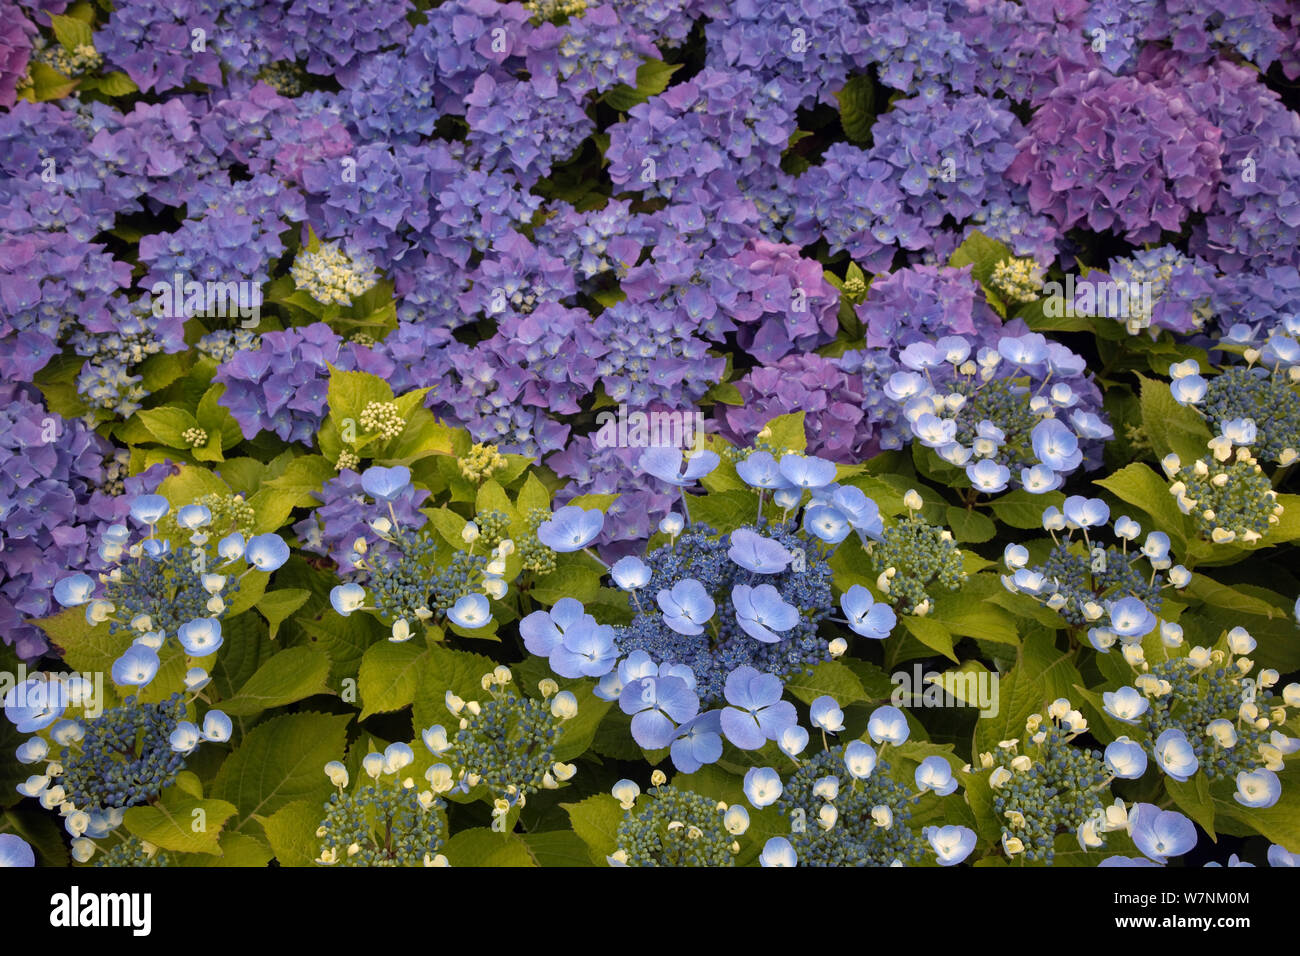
point(58, 482)
point(643, 499)
point(716, 126)
point(16, 33)
point(48, 281)
point(235, 236)
point(345, 513)
point(921, 303)
point(812, 45)
point(282, 385)
point(836, 417)
point(1119, 154)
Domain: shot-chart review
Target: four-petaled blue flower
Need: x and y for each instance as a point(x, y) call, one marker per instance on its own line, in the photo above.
point(657, 706)
point(762, 612)
point(385, 484)
point(1160, 834)
point(757, 712)
point(571, 529)
point(687, 607)
point(671, 465)
point(866, 615)
point(753, 552)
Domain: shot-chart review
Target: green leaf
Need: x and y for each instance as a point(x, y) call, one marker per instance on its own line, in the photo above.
point(445, 670)
point(276, 499)
point(293, 674)
point(933, 634)
point(787, 431)
point(532, 495)
point(1193, 798)
point(252, 586)
point(161, 369)
point(291, 831)
point(557, 848)
point(577, 579)
point(1141, 487)
point(1034, 314)
point(190, 483)
point(277, 605)
point(117, 83)
point(831, 678)
point(1169, 426)
point(857, 108)
point(725, 393)
point(280, 761)
point(652, 78)
point(596, 821)
point(970, 526)
point(389, 676)
point(982, 254)
point(480, 846)
point(1019, 696)
point(979, 797)
point(48, 83)
point(71, 32)
point(235, 849)
point(168, 425)
point(1020, 509)
point(171, 824)
point(725, 511)
point(350, 392)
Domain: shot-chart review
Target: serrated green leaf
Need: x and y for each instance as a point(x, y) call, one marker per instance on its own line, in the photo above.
point(787, 431)
point(933, 634)
point(71, 32)
point(857, 108)
point(596, 821)
point(291, 831)
point(277, 605)
point(1020, 509)
point(652, 78)
point(48, 83)
point(280, 761)
point(832, 678)
point(1171, 427)
point(389, 676)
point(480, 846)
point(970, 526)
point(117, 83)
point(167, 424)
point(171, 824)
point(1141, 487)
point(293, 674)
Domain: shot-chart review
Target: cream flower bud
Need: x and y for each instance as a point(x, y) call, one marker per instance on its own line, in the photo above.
point(626, 792)
point(337, 773)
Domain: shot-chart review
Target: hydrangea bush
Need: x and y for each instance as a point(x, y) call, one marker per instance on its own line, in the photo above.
point(659, 433)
